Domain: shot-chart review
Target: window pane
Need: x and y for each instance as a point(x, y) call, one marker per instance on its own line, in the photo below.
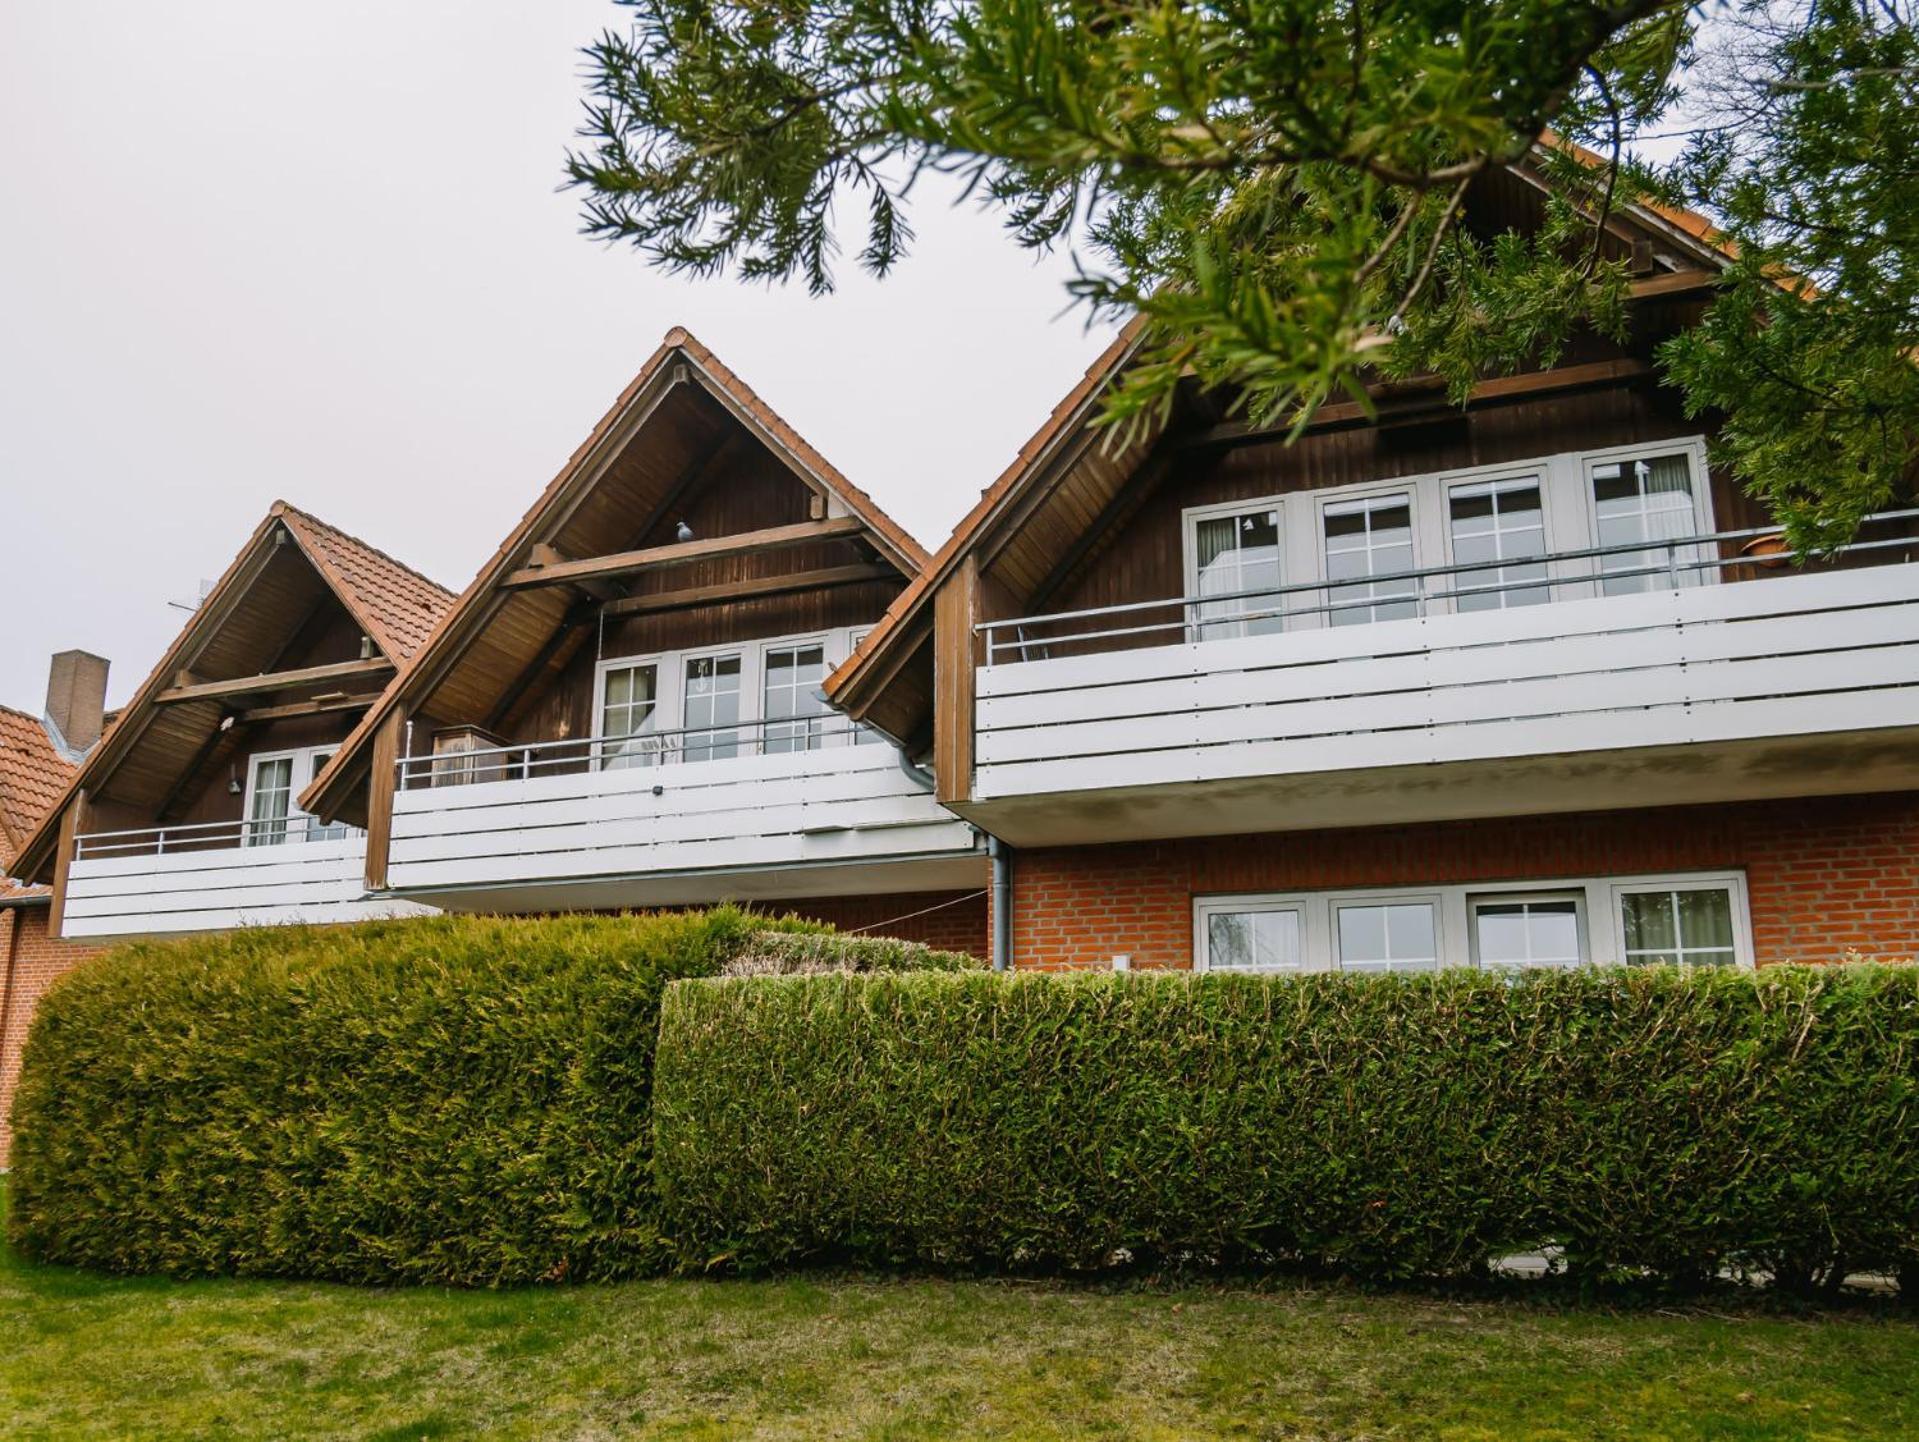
point(1369, 538)
point(1527, 932)
point(1647, 500)
point(792, 698)
point(1492, 521)
point(1693, 926)
point(1252, 940)
point(272, 796)
point(1396, 936)
point(318, 830)
point(712, 703)
point(1237, 554)
point(630, 716)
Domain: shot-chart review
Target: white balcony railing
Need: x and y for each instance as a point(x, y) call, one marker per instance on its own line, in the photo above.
point(217, 876)
point(769, 798)
point(1162, 694)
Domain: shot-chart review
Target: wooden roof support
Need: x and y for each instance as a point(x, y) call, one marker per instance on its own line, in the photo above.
point(730, 591)
point(318, 706)
point(274, 681)
point(627, 563)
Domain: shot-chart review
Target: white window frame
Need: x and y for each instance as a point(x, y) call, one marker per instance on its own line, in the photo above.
point(1541, 472)
point(836, 644)
point(1601, 917)
point(1582, 927)
point(1419, 513)
point(1566, 503)
point(1206, 907)
point(300, 825)
point(1190, 520)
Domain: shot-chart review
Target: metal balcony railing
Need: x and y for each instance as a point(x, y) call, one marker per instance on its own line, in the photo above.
point(1636, 566)
point(206, 836)
point(640, 750)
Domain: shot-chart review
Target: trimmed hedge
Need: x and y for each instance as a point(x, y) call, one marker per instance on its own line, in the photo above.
point(452, 1099)
point(1645, 1121)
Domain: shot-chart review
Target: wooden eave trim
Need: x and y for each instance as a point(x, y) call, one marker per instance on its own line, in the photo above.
point(274, 681)
point(653, 558)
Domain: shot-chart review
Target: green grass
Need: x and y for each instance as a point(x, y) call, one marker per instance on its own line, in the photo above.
point(91, 1356)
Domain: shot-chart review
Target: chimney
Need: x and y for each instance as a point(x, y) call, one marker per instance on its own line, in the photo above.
point(77, 698)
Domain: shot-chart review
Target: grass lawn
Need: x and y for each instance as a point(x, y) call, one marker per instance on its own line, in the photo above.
point(90, 1356)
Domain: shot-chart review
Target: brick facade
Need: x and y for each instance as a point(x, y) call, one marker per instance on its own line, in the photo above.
point(30, 962)
point(1823, 876)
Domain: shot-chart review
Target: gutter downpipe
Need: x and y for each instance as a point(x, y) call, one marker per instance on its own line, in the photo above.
point(1002, 855)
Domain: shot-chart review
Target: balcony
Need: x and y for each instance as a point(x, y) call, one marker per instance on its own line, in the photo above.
point(1670, 671)
point(749, 811)
point(167, 880)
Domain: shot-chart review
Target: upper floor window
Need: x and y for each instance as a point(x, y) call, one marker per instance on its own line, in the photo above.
point(794, 707)
point(630, 715)
point(1517, 528)
point(1644, 500)
point(274, 782)
point(1501, 520)
point(1237, 552)
point(1371, 537)
point(712, 691)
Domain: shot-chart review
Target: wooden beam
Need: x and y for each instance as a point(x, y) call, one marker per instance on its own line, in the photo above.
point(544, 556)
point(1673, 282)
point(730, 591)
point(382, 781)
point(72, 822)
point(956, 609)
point(320, 706)
point(274, 681)
point(1424, 398)
point(627, 563)
point(715, 454)
point(580, 613)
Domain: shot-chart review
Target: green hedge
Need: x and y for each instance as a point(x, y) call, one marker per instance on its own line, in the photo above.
point(1643, 1120)
point(452, 1099)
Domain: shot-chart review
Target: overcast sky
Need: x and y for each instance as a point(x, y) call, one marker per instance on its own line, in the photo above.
point(253, 250)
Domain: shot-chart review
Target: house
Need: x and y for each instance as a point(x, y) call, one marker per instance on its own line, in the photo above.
point(38, 758)
point(1520, 683)
point(185, 817)
point(624, 709)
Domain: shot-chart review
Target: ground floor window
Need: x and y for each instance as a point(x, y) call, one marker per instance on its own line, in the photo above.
point(1695, 919)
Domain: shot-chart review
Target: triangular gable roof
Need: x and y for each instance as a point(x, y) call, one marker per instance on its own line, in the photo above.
point(679, 358)
point(392, 602)
point(907, 623)
point(33, 774)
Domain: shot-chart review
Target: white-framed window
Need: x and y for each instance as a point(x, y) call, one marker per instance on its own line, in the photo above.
point(1253, 935)
point(1366, 537)
point(718, 703)
point(1520, 929)
point(1697, 919)
point(1498, 520)
point(270, 806)
point(630, 720)
point(1649, 494)
point(1232, 550)
point(1519, 514)
point(1690, 923)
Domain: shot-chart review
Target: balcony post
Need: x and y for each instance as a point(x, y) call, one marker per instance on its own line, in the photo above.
point(383, 780)
point(72, 823)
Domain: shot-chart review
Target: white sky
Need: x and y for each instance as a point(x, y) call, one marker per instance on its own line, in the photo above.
point(251, 249)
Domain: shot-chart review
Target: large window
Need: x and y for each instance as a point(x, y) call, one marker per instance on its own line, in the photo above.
point(1506, 521)
point(1372, 537)
point(630, 715)
point(1695, 920)
point(719, 704)
point(271, 806)
point(1644, 500)
point(1237, 552)
point(1498, 521)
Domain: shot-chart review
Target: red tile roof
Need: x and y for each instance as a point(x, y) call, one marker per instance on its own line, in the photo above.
point(32, 777)
point(397, 605)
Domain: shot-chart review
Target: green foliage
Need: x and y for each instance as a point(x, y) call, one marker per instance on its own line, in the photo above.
point(454, 1099)
point(793, 953)
point(1286, 190)
point(1643, 1120)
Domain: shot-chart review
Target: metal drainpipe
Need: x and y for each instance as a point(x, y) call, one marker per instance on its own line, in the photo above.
point(1002, 855)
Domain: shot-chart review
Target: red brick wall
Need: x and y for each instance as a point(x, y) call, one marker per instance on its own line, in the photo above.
point(950, 920)
point(1823, 876)
point(30, 962)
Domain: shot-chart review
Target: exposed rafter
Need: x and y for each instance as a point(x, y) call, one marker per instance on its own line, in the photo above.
point(653, 558)
point(198, 690)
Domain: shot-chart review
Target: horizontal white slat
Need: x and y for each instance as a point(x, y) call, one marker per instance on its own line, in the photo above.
point(174, 923)
point(1787, 656)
